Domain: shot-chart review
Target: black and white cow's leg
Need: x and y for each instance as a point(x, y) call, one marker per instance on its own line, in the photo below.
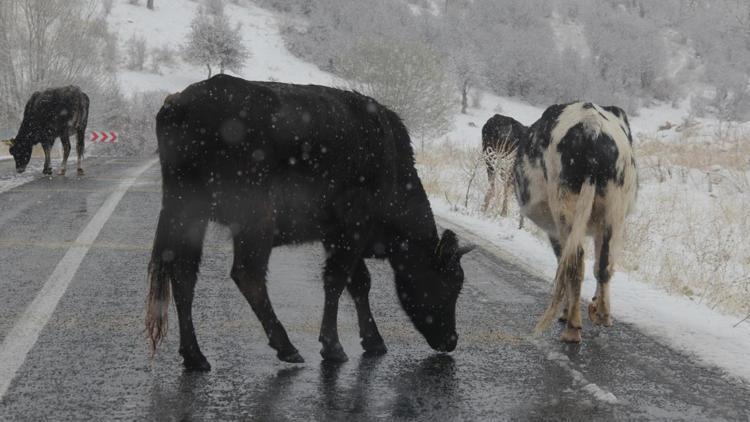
point(574, 278)
point(65, 141)
point(253, 242)
point(47, 147)
point(557, 249)
point(599, 310)
point(359, 289)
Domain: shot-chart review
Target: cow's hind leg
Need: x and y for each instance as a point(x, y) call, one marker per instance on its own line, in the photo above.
point(252, 249)
point(557, 249)
point(359, 289)
point(175, 260)
point(574, 279)
point(599, 309)
point(65, 141)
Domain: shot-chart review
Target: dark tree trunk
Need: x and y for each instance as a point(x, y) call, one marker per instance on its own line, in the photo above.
point(150, 4)
point(464, 96)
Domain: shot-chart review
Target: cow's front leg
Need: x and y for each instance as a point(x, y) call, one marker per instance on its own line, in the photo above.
point(359, 289)
point(338, 271)
point(65, 140)
point(47, 152)
point(80, 146)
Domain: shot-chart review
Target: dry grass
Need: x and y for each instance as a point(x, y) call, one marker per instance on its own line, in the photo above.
point(731, 152)
point(689, 233)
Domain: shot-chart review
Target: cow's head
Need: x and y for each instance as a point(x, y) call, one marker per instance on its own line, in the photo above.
point(21, 152)
point(428, 284)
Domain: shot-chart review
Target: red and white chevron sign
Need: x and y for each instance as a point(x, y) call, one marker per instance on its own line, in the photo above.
point(104, 137)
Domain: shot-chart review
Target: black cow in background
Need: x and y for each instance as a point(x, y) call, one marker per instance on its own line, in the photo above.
point(280, 164)
point(56, 112)
point(500, 138)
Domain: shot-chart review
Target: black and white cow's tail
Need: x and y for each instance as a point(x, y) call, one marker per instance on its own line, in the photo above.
point(566, 266)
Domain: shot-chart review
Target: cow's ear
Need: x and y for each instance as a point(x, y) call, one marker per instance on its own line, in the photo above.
point(9, 142)
point(447, 247)
point(448, 250)
point(463, 250)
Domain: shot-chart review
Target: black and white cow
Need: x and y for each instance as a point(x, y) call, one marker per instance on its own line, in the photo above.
point(49, 114)
point(500, 138)
point(575, 175)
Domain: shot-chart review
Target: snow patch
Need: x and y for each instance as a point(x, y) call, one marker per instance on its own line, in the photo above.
point(689, 327)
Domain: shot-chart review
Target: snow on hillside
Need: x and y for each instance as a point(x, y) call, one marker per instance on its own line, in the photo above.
point(676, 320)
point(168, 26)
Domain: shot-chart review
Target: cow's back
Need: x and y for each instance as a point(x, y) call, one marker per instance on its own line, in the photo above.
point(569, 145)
point(55, 109)
point(304, 145)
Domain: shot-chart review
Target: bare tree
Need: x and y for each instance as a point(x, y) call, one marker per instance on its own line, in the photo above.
point(406, 76)
point(47, 43)
point(213, 41)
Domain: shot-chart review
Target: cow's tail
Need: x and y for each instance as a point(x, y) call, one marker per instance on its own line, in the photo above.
point(566, 266)
point(157, 303)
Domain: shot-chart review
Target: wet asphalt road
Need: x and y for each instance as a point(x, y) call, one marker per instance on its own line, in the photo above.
point(91, 361)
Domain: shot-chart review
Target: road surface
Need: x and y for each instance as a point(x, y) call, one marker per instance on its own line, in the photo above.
point(91, 360)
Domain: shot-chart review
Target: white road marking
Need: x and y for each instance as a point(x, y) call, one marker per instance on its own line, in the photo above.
point(25, 332)
point(560, 359)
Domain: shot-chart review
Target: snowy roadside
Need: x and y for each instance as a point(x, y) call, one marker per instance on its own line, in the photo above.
point(677, 321)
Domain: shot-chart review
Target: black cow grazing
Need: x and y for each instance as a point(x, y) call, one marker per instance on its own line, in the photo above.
point(500, 138)
point(281, 164)
point(56, 112)
point(575, 175)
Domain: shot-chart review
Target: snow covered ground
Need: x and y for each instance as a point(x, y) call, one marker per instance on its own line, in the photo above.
point(684, 324)
point(674, 317)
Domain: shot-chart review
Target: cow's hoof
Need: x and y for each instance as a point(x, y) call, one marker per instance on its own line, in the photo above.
point(598, 319)
point(196, 363)
point(61, 172)
point(374, 347)
point(334, 354)
point(291, 356)
point(47, 171)
point(80, 172)
point(571, 335)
